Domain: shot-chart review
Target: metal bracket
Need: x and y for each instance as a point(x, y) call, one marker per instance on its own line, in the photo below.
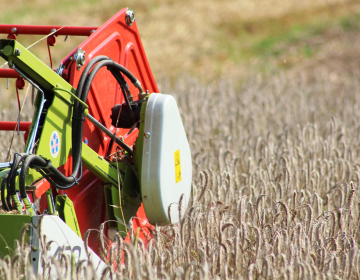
point(79, 58)
point(129, 17)
point(60, 69)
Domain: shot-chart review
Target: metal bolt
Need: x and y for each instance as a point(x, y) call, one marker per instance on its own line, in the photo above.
point(147, 134)
point(92, 31)
point(34, 249)
point(13, 30)
point(17, 52)
point(52, 30)
point(129, 17)
point(79, 57)
point(60, 70)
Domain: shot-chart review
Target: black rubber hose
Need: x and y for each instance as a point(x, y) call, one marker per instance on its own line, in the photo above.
point(117, 66)
point(89, 80)
point(87, 70)
point(58, 185)
point(81, 84)
point(30, 159)
point(60, 178)
point(5, 200)
point(77, 122)
point(13, 172)
point(126, 72)
point(112, 66)
point(57, 179)
point(120, 79)
point(105, 63)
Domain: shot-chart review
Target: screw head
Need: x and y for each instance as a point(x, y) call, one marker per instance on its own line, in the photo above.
point(147, 134)
point(17, 52)
point(129, 17)
point(80, 58)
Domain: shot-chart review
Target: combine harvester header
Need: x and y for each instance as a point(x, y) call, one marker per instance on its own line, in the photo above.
point(103, 147)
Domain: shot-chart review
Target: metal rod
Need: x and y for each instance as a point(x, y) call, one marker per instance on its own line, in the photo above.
point(11, 73)
point(10, 126)
point(31, 142)
point(50, 201)
point(108, 133)
point(46, 29)
point(5, 164)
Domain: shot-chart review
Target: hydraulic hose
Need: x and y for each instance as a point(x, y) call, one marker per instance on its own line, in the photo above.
point(13, 172)
point(89, 80)
point(130, 76)
point(52, 174)
point(77, 127)
point(120, 79)
point(5, 199)
point(38, 162)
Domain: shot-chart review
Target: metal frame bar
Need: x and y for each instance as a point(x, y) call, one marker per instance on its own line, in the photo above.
point(10, 126)
point(108, 133)
point(46, 29)
point(9, 73)
point(31, 142)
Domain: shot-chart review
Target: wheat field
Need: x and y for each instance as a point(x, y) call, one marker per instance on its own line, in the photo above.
point(275, 188)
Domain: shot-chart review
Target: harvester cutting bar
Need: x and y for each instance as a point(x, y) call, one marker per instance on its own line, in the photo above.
point(46, 29)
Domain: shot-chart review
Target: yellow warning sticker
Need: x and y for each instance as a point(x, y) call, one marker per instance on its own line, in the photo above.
point(177, 166)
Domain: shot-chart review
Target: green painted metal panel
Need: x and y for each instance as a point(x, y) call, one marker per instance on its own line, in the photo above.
point(130, 200)
point(66, 210)
point(10, 230)
point(104, 170)
point(37, 70)
point(139, 144)
point(59, 114)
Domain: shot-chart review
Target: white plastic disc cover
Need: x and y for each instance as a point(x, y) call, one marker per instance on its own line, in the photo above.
point(166, 165)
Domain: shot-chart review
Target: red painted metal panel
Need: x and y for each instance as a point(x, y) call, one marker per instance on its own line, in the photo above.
point(121, 43)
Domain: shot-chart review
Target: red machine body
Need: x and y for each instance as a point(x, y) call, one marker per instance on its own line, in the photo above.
point(121, 42)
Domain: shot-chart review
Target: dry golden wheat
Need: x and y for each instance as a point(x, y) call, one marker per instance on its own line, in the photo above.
point(276, 178)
